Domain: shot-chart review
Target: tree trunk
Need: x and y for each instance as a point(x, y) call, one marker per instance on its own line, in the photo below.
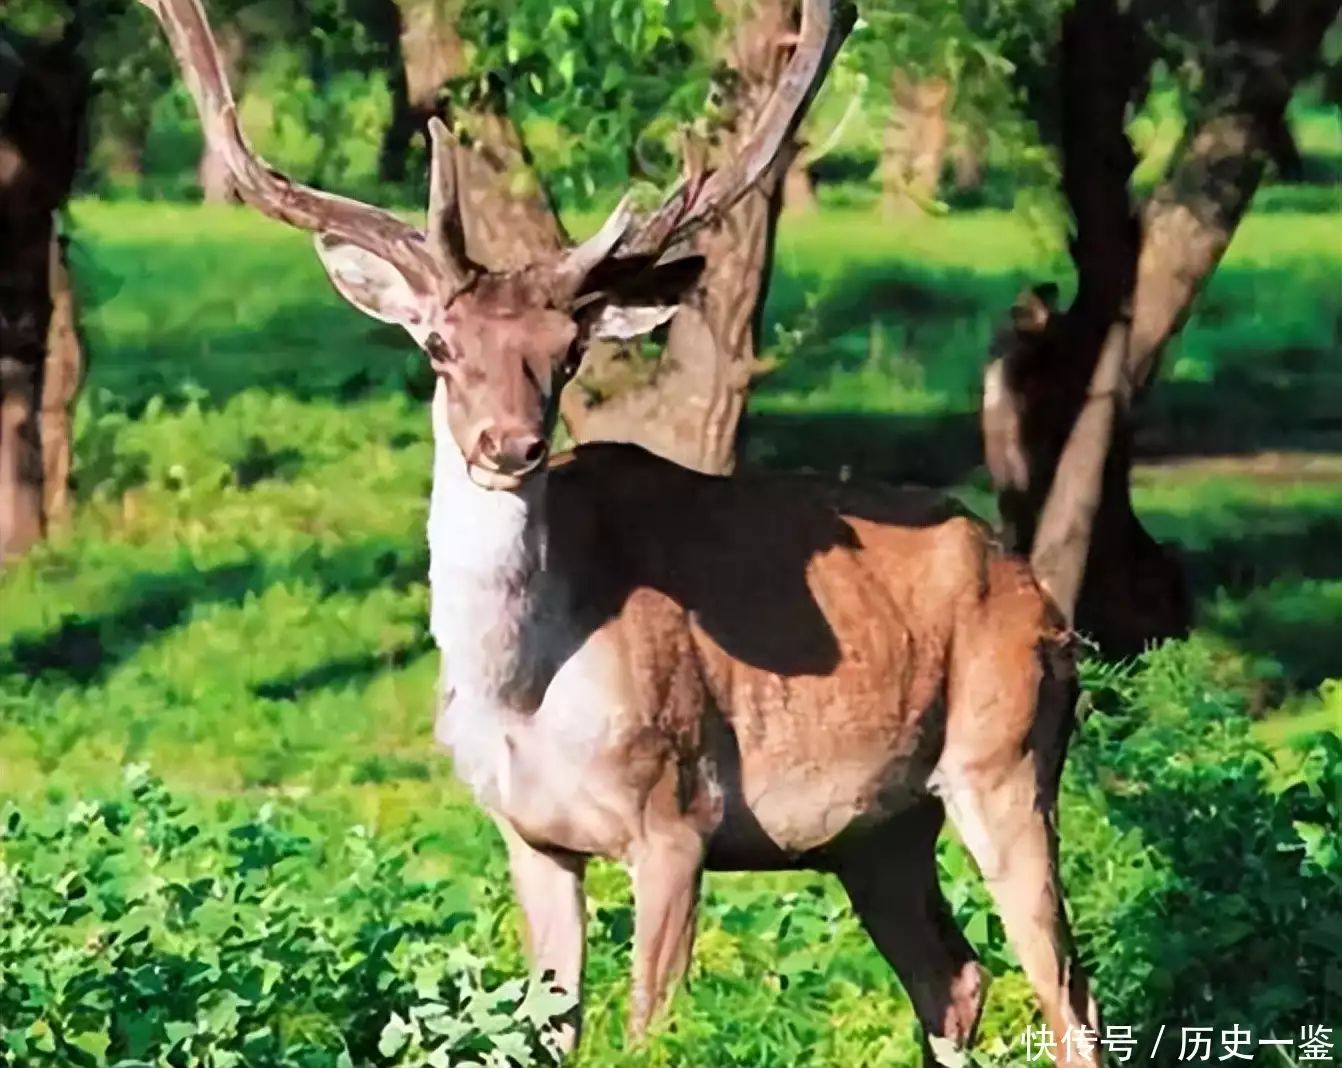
point(507, 219)
point(966, 158)
point(914, 145)
point(382, 22)
point(431, 54)
point(1057, 396)
point(506, 215)
point(62, 376)
point(688, 406)
point(213, 174)
point(215, 179)
point(799, 187)
point(41, 119)
point(21, 315)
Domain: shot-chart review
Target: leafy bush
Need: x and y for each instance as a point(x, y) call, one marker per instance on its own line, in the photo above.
point(1204, 870)
point(139, 933)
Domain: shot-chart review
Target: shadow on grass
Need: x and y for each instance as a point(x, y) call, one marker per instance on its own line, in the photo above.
point(933, 450)
point(307, 350)
point(1269, 581)
point(343, 672)
point(1263, 331)
point(84, 649)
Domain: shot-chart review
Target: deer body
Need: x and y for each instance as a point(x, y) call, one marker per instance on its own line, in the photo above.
point(682, 671)
point(790, 700)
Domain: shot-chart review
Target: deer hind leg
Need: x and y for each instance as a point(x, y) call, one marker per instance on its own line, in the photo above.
point(1001, 800)
point(892, 882)
point(550, 893)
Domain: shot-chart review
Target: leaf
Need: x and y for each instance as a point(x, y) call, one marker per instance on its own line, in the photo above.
point(543, 1004)
point(394, 1036)
point(40, 1036)
point(94, 1043)
point(178, 1031)
point(977, 928)
point(945, 1052)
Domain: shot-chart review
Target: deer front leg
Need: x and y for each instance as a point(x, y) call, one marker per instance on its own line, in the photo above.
point(667, 869)
point(550, 893)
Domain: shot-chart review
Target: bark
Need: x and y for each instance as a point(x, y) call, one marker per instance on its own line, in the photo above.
point(507, 219)
point(41, 118)
point(688, 405)
point(914, 146)
point(213, 174)
point(799, 187)
point(431, 54)
point(62, 376)
point(382, 21)
point(966, 156)
point(20, 446)
point(1057, 397)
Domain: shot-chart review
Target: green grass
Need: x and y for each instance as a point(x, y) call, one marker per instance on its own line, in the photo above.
point(240, 602)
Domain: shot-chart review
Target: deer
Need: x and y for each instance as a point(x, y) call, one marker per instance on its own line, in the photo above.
point(684, 672)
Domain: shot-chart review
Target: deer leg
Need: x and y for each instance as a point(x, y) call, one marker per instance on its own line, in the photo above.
point(892, 883)
point(1008, 828)
point(667, 870)
point(549, 891)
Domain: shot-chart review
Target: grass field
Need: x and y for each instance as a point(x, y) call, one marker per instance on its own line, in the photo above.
point(240, 606)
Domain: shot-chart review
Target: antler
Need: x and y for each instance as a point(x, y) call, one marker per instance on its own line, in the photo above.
point(824, 25)
point(270, 192)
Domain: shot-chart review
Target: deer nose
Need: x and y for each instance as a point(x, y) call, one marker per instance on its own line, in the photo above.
point(515, 452)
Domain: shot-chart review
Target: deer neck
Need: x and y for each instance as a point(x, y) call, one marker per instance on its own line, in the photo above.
point(486, 553)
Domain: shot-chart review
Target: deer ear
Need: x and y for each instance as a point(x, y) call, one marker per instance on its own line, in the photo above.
point(372, 284)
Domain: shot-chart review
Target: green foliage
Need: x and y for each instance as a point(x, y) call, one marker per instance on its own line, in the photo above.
point(990, 56)
point(140, 932)
point(1195, 854)
point(601, 91)
point(312, 79)
point(598, 88)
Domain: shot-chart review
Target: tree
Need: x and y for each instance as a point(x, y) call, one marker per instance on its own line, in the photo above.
point(212, 173)
point(938, 60)
point(43, 92)
point(1057, 399)
point(422, 35)
point(688, 404)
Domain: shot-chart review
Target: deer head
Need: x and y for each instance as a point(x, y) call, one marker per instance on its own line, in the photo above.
point(503, 343)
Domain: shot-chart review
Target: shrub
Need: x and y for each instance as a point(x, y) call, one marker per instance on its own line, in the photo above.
point(138, 933)
point(1203, 869)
